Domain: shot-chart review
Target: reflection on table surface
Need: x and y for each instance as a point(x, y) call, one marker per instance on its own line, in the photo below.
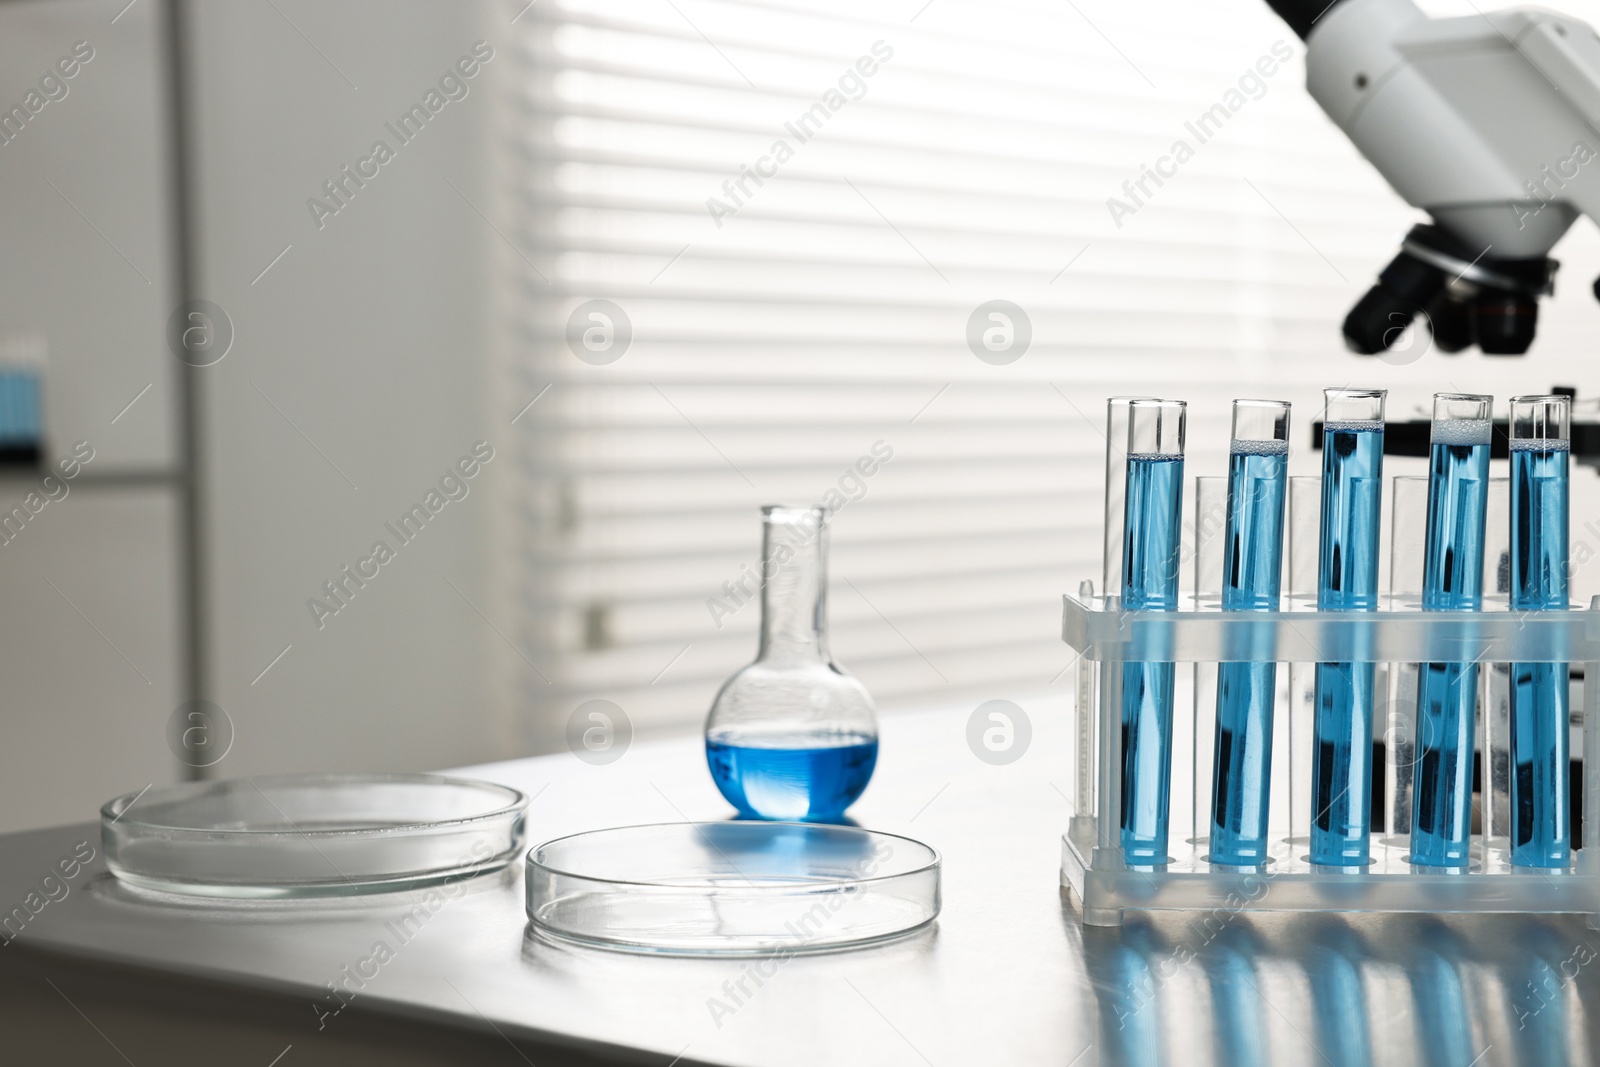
point(1447, 991)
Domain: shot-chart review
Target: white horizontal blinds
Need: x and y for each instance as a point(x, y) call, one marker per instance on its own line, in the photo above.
point(828, 313)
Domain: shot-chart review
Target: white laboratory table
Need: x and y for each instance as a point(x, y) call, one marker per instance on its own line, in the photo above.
point(107, 975)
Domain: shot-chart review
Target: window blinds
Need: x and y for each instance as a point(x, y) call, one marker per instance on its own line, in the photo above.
point(797, 210)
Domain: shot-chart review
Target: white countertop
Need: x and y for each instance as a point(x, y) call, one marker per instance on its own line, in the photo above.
point(1006, 975)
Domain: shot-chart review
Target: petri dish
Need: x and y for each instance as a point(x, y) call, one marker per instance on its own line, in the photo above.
point(306, 835)
point(731, 888)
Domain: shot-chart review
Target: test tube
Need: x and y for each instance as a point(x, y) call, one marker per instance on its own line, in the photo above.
point(1151, 545)
point(1347, 580)
point(1116, 483)
point(1540, 444)
point(1493, 743)
point(1293, 757)
point(1408, 523)
point(1241, 782)
point(1210, 492)
point(1452, 580)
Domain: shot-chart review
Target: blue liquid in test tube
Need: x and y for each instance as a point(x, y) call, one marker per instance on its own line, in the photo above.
point(1452, 580)
point(1150, 583)
point(1258, 467)
point(1540, 444)
point(1347, 580)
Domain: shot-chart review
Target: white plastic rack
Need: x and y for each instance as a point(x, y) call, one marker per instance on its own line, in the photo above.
point(1397, 637)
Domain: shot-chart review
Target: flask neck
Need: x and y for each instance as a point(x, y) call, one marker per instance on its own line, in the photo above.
point(794, 586)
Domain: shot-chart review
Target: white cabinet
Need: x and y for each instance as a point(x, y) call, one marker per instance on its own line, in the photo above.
point(89, 650)
point(359, 373)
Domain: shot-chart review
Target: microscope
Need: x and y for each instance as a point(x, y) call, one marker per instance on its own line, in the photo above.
point(1488, 122)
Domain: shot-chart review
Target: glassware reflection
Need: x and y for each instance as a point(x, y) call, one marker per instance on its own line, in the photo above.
point(1444, 1036)
point(1334, 960)
point(1340, 990)
point(1236, 999)
point(1546, 965)
point(1120, 966)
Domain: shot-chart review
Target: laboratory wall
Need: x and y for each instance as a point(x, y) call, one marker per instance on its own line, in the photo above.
point(1172, 214)
point(297, 281)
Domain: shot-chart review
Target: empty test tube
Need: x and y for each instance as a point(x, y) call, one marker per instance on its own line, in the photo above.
point(1347, 580)
point(1252, 568)
point(1154, 498)
point(1540, 445)
point(1452, 580)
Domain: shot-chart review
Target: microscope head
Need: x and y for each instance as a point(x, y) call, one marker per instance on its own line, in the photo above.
point(1487, 124)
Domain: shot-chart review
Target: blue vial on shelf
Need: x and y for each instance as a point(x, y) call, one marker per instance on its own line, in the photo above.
point(1452, 580)
point(1540, 447)
point(1241, 784)
point(1152, 507)
point(792, 736)
point(1347, 580)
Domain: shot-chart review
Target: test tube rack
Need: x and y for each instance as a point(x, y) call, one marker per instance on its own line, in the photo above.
point(1397, 637)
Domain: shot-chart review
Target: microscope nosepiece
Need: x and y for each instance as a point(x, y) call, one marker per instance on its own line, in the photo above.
point(1503, 323)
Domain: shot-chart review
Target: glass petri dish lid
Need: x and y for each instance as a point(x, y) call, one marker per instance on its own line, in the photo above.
point(302, 835)
point(731, 888)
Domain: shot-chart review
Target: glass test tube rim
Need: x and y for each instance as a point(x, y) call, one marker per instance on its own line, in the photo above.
point(1278, 425)
point(1442, 400)
point(1160, 408)
point(1343, 395)
point(795, 514)
point(1533, 411)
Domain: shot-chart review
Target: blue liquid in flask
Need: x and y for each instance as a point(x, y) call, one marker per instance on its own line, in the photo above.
point(792, 735)
point(1539, 745)
point(1347, 580)
point(805, 780)
point(1252, 568)
point(1447, 693)
point(1150, 583)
